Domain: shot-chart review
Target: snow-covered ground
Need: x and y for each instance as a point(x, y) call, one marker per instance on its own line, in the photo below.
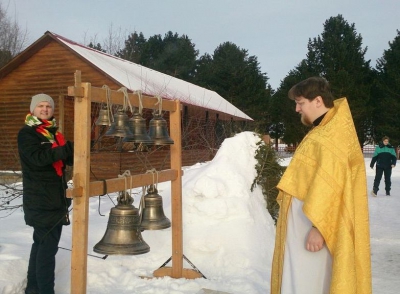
point(228, 235)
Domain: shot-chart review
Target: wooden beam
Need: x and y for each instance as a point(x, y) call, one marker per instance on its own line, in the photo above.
point(61, 113)
point(81, 179)
point(117, 97)
point(186, 273)
point(75, 91)
point(118, 184)
point(176, 193)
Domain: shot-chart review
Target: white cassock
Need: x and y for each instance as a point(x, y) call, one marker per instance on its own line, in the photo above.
point(304, 272)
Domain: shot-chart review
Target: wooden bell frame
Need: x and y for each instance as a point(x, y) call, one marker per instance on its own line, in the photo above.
point(83, 189)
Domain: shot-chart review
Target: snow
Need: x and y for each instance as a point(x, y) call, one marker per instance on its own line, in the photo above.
point(227, 232)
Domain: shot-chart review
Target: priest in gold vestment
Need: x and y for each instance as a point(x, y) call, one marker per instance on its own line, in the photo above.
point(322, 238)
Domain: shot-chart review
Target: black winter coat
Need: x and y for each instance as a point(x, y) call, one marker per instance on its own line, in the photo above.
point(384, 156)
point(44, 198)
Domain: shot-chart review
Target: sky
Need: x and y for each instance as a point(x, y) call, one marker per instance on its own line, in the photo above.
point(275, 31)
point(228, 235)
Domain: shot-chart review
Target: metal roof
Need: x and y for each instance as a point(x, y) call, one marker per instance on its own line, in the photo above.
point(137, 77)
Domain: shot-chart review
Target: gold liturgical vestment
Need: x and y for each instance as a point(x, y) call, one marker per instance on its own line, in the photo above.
point(327, 173)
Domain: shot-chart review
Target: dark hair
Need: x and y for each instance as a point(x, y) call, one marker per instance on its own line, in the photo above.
point(385, 138)
point(311, 88)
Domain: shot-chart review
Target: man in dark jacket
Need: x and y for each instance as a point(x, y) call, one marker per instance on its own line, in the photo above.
point(385, 158)
point(44, 154)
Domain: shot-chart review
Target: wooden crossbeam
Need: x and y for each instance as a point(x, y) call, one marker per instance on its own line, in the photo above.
point(118, 184)
point(117, 97)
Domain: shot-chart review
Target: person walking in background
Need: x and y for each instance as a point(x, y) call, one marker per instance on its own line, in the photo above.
point(44, 154)
point(322, 242)
point(385, 159)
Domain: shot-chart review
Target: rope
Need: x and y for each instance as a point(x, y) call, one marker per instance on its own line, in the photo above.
point(142, 205)
point(127, 102)
point(126, 174)
point(159, 102)
point(153, 171)
point(139, 93)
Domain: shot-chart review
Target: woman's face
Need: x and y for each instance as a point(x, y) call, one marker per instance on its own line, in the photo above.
point(43, 110)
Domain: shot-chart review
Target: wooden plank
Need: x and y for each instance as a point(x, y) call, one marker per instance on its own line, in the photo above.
point(117, 97)
point(176, 193)
point(61, 113)
point(168, 271)
point(118, 184)
point(77, 92)
point(81, 179)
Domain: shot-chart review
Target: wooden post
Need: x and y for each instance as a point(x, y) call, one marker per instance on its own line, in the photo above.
point(81, 179)
point(177, 270)
point(176, 192)
point(61, 113)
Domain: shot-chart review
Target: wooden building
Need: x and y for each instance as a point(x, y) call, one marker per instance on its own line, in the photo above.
point(48, 66)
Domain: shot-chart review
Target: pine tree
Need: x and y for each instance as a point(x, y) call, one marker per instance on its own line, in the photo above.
point(237, 77)
point(283, 110)
point(338, 56)
point(172, 54)
point(269, 172)
point(96, 47)
point(387, 94)
point(134, 47)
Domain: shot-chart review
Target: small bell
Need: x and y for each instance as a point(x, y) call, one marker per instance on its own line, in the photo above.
point(158, 131)
point(103, 119)
point(137, 125)
point(153, 217)
point(119, 128)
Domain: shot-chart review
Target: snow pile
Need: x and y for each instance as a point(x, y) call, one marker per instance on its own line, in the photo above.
point(228, 235)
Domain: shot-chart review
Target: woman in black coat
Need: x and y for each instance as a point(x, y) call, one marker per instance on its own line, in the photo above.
point(44, 154)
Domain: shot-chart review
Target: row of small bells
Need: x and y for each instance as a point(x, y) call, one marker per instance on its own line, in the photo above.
point(123, 234)
point(134, 129)
point(125, 224)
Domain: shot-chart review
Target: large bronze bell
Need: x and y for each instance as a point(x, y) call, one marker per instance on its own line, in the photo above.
point(137, 125)
point(153, 217)
point(119, 128)
point(123, 234)
point(103, 119)
point(158, 131)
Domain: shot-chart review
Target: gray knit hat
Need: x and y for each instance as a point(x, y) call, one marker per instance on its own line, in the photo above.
point(40, 98)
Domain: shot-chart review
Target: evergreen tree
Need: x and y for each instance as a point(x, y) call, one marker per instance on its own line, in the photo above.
point(96, 47)
point(387, 94)
point(338, 56)
point(134, 47)
point(172, 54)
point(283, 110)
point(178, 57)
point(237, 77)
